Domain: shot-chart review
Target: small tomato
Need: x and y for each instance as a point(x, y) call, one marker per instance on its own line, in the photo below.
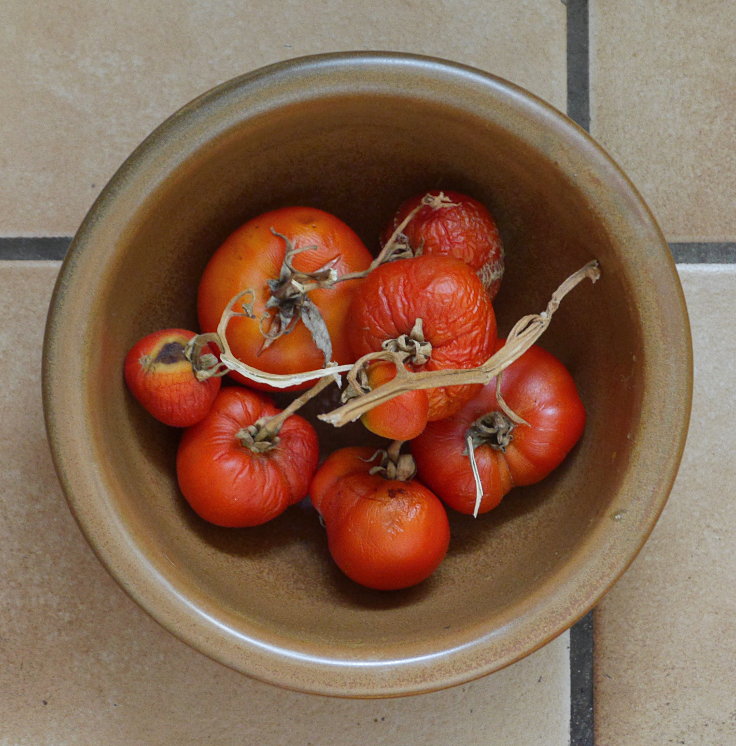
point(401, 418)
point(164, 381)
point(464, 229)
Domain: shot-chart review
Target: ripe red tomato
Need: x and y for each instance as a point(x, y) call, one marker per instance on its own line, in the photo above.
point(252, 257)
point(384, 534)
point(164, 382)
point(538, 388)
point(401, 418)
point(456, 313)
point(230, 481)
point(465, 230)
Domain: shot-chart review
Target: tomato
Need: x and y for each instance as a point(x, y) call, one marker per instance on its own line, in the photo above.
point(401, 418)
point(384, 534)
point(164, 381)
point(458, 321)
point(465, 230)
point(230, 480)
point(253, 258)
point(538, 388)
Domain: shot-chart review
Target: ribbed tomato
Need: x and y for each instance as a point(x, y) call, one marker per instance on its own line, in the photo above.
point(229, 477)
point(464, 229)
point(384, 534)
point(458, 325)
point(539, 389)
point(253, 258)
point(164, 381)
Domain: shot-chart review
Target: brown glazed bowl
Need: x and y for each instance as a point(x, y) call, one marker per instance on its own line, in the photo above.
point(355, 134)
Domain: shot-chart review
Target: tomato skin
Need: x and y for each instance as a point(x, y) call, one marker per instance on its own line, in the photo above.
point(383, 534)
point(401, 418)
point(229, 485)
point(465, 230)
point(251, 256)
point(538, 388)
point(163, 380)
point(457, 313)
point(340, 463)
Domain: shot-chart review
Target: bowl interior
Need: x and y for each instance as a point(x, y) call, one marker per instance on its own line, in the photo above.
point(268, 600)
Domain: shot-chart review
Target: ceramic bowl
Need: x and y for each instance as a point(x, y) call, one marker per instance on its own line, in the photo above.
point(355, 134)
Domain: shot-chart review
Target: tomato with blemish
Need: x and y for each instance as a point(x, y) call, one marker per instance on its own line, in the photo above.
point(385, 534)
point(165, 382)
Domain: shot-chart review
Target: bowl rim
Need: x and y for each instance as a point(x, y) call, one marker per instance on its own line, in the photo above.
point(269, 659)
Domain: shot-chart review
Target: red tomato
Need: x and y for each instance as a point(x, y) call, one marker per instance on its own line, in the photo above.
point(229, 483)
point(465, 230)
point(401, 418)
point(538, 388)
point(457, 315)
point(164, 382)
point(252, 257)
point(384, 534)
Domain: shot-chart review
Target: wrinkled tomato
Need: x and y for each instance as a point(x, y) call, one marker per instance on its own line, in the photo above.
point(231, 478)
point(539, 389)
point(164, 381)
point(253, 258)
point(458, 325)
point(384, 534)
point(465, 229)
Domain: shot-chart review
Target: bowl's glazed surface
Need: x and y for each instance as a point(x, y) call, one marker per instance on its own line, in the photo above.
point(355, 134)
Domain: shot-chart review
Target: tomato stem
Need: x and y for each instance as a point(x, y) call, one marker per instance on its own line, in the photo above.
point(268, 427)
point(521, 337)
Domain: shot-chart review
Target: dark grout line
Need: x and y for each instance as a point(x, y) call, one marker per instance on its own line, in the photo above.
point(704, 252)
point(582, 714)
point(578, 63)
point(582, 685)
point(46, 247)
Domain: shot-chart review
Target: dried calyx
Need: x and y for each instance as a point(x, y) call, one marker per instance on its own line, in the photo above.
point(394, 465)
point(263, 435)
point(494, 429)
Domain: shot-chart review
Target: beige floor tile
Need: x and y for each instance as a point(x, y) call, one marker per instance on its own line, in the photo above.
point(83, 82)
point(81, 664)
point(664, 104)
point(666, 634)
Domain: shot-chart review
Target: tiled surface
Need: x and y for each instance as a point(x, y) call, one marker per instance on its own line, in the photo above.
point(666, 634)
point(82, 664)
point(83, 82)
point(663, 102)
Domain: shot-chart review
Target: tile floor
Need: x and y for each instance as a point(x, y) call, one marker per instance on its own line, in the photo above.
point(82, 83)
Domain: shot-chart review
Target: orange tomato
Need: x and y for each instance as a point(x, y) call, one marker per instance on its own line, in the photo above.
point(252, 257)
point(401, 418)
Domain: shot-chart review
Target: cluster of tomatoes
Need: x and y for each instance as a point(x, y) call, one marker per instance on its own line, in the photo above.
point(317, 299)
